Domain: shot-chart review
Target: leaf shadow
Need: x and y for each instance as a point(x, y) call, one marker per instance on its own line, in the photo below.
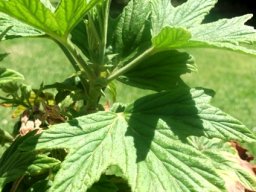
point(163, 115)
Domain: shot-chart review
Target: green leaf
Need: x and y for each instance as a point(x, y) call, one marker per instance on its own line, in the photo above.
point(18, 29)
point(104, 185)
point(33, 13)
point(188, 112)
point(8, 75)
point(233, 34)
point(167, 66)
point(171, 38)
point(41, 15)
point(132, 28)
point(234, 170)
point(15, 163)
point(2, 56)
point(42, 164)
point(147, 158)
point(70, 13)
point(185, 20)
point(5, 137)
point(186, 15)
point(40, 186)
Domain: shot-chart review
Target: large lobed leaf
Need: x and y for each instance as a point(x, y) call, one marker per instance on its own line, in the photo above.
point(41, 15)
point(142, 145)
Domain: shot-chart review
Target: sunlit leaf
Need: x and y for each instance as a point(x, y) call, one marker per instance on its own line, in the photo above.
point(147, 158)
point(41, 15)
point(237, 173)
point(230, 34)
point(18, 29)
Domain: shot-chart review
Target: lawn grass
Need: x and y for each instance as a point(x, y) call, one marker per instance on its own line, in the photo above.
point(231, 75)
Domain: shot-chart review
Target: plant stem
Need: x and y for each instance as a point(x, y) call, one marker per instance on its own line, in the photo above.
point(105, 30)
point(87, 69)
point(77, 68)
point(69, 56)
point(16, 184)
point(130, 65)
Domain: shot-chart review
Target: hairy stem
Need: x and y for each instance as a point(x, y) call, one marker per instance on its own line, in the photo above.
point(69, 56)
point(78, 58)
point(132, 64)
point(75, 65)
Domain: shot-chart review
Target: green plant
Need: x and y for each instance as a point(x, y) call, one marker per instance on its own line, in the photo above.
point(72, 139)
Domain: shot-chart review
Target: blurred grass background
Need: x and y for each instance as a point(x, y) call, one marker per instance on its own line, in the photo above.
point(231, 75)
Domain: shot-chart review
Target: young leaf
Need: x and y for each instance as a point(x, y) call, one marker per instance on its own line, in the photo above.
point(132, 28)
point(69, 13)
point(225, 33)
point(147, 158)
point(8, 75)
point(167, 66)
point(237, 173)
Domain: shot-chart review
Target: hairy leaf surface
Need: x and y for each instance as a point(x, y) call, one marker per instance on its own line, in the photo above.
point(188, 112)
point(237, 173)
point(186, 15)
point(225, 33)
point(149, 159)
point(144, 144)
point(132, 29)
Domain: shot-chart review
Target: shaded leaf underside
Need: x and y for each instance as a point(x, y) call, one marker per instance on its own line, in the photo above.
point(168, 66)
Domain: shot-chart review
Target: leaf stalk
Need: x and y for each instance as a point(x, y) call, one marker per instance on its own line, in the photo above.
point(130, 65)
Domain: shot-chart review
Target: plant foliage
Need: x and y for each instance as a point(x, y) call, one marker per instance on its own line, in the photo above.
point(172, 140)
